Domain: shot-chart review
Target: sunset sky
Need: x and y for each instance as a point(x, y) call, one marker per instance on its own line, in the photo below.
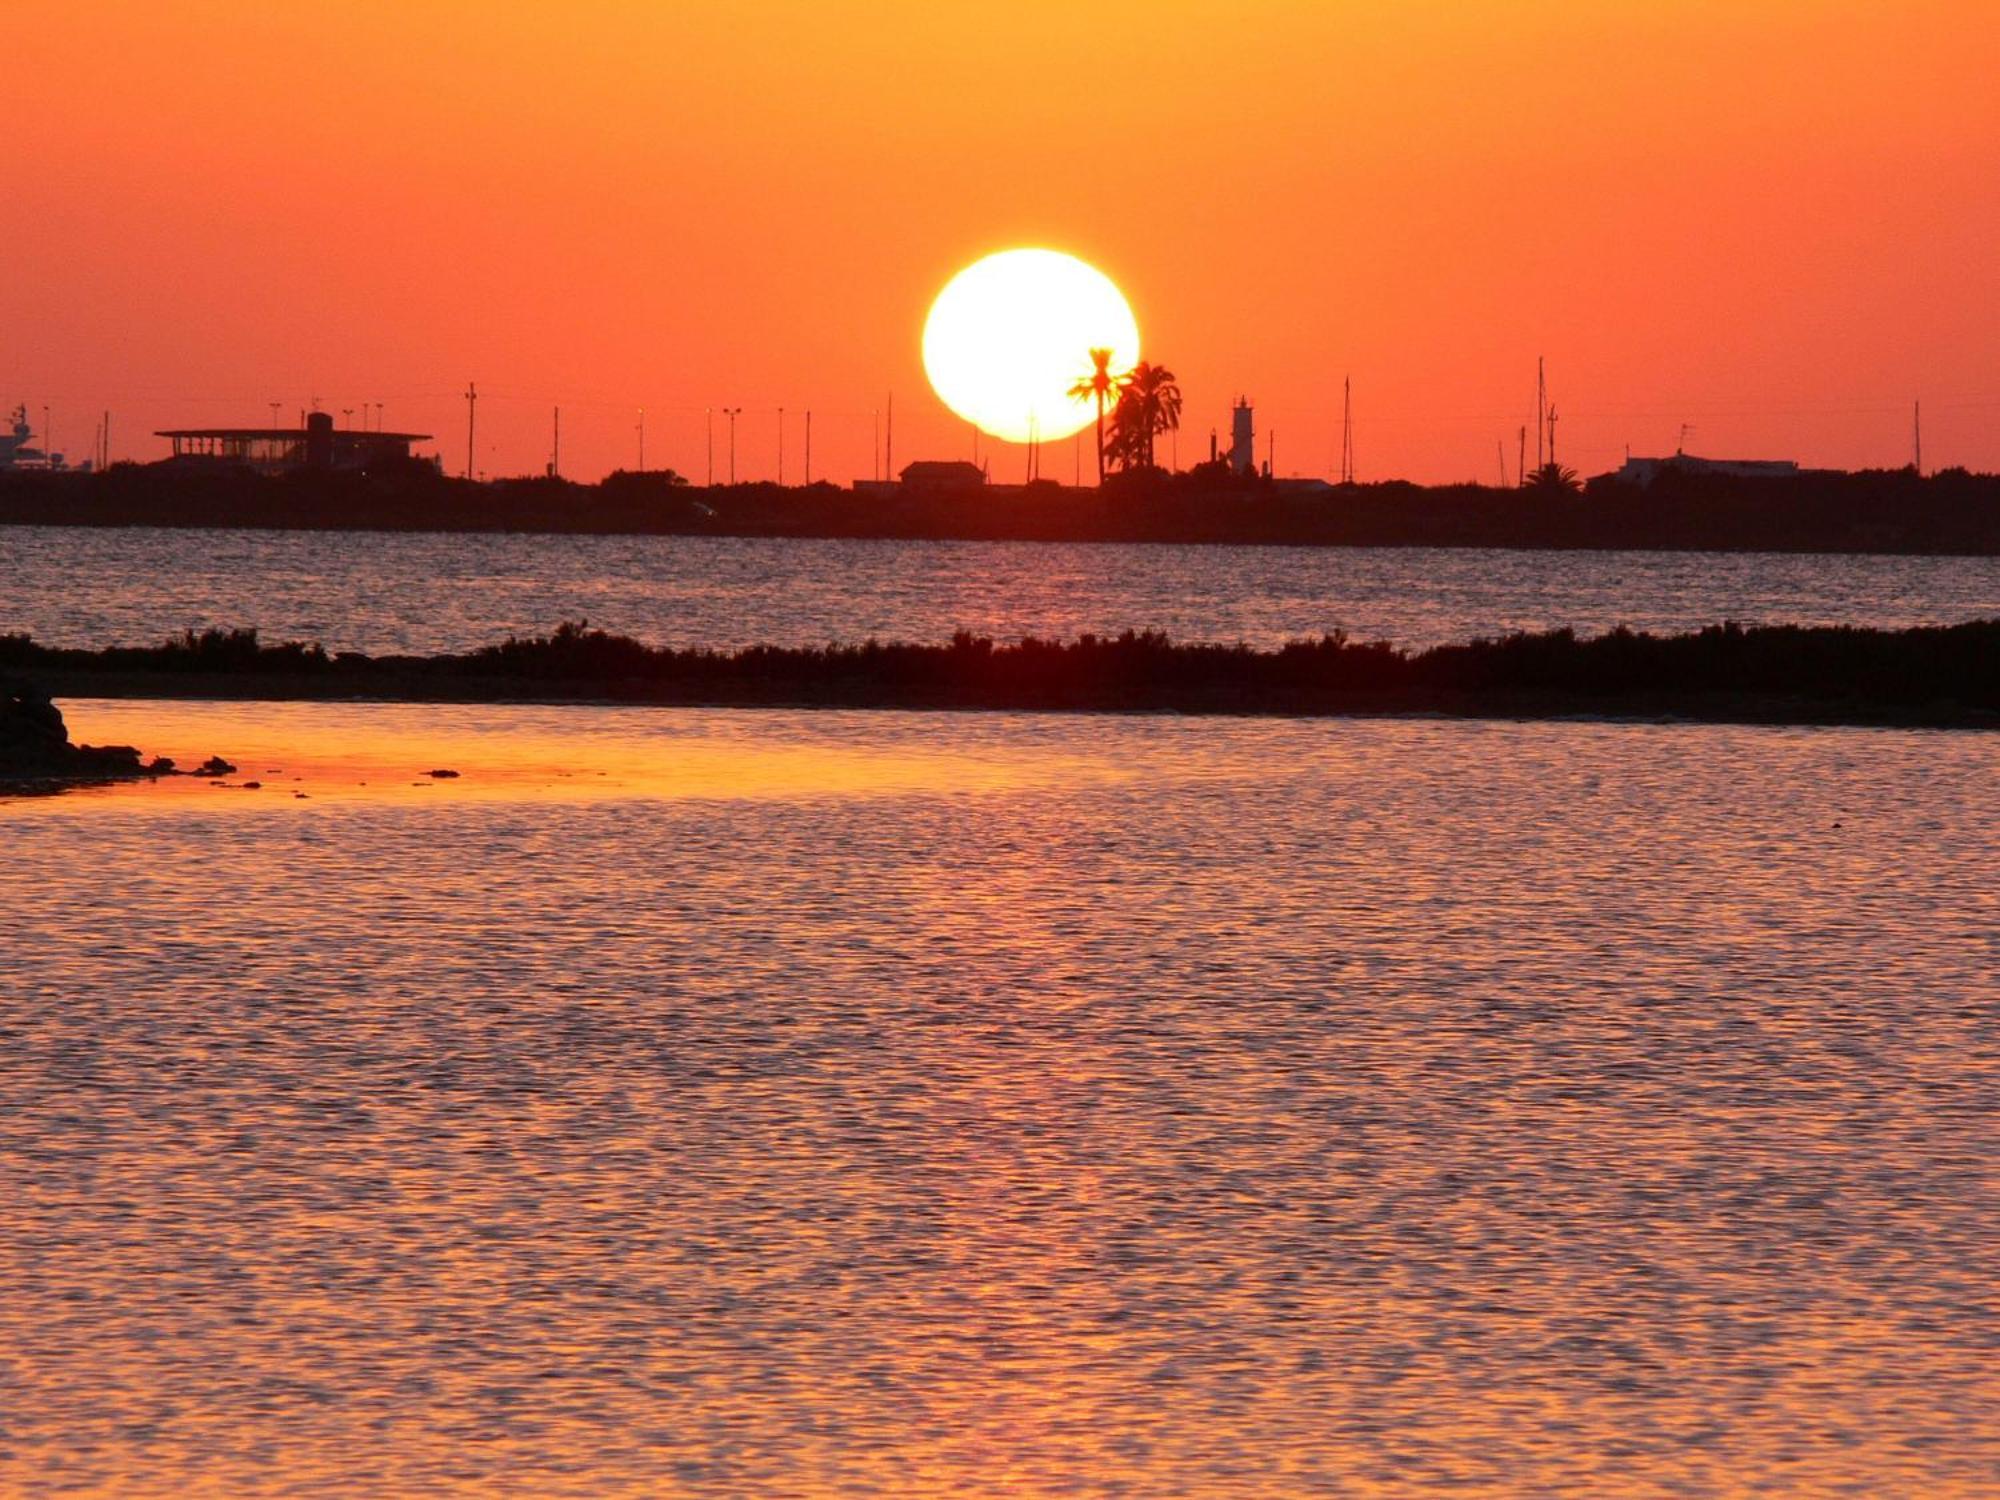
point(1771, 219)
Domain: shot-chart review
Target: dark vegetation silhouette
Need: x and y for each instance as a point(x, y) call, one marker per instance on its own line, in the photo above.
point(1149, 403)
point(1875, 511)
point(1948, 675)
point(1553, 478)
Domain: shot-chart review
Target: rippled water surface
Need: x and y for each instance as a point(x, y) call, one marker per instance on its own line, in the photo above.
point(363, 591)
point(904, 1104)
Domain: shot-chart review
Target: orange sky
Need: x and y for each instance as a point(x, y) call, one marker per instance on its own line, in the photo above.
point(1776, 220)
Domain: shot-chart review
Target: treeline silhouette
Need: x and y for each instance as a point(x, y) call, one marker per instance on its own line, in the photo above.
point(1946, 675)
point(1875, 511)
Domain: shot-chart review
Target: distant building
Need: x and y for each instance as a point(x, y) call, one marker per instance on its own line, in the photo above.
point(1644, 471)
point(931, 475)
point(278, 450)
point(1243, 438)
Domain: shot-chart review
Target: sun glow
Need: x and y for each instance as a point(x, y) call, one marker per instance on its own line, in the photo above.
point(1010, 334)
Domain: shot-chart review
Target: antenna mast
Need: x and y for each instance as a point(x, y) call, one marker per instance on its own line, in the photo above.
point(1541, 405)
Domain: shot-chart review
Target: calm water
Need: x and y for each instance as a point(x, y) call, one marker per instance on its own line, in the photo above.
point(382, 593)
point(775, 1104)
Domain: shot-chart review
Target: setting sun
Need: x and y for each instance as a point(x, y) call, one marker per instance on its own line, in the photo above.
point(1010, 334)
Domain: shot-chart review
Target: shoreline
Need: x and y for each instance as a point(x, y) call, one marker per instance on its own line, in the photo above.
point(1876, 512)
point(1750, 712)
point(1945, 677)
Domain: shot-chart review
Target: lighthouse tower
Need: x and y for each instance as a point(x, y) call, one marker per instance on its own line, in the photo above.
point(1243, 438)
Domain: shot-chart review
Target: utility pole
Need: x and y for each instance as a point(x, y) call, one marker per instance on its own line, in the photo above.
point(1347, 430)
point(1541, 405)
point(732, 412)
point(471, 423)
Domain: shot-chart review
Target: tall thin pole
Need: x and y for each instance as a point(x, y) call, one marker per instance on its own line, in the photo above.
point(1347, 430)
point(1541, 406)
point(732, 412)
point(1500, 448)
point(471, 423)
point(889, 439)
point(274, 416)
point(781, 447)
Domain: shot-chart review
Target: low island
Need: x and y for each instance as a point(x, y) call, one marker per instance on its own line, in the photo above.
point(1947, 676)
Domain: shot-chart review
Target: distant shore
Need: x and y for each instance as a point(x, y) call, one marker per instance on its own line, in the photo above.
point(1951, 513)
point(1945, 677)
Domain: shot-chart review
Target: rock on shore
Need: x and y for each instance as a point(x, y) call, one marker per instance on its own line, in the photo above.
point(34, 742)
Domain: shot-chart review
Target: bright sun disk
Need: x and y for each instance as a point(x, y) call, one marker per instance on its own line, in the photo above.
point(1010, 334)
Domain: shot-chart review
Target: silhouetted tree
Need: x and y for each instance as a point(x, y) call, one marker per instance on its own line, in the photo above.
point(1554, 479)
point(1097, 385)
point(1149, 403)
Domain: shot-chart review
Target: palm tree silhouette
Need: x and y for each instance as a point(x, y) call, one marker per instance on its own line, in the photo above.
point(1098, 385)
point(1149, 403)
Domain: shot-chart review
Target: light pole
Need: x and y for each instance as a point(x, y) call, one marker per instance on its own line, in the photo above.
point(732, 412)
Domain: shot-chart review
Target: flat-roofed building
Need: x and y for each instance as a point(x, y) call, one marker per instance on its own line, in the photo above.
point(1644, 471)
point(277, 450)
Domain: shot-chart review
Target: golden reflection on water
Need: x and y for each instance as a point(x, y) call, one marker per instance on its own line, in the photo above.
point(1087, 1106)
point(387, 752)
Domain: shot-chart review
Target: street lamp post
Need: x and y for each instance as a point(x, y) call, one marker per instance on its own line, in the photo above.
point(732, 412)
